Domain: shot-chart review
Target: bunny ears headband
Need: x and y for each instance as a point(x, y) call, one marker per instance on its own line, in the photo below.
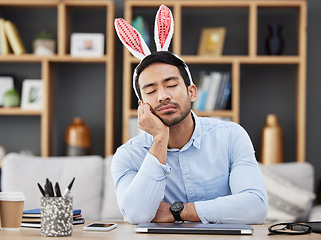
point(134, 42)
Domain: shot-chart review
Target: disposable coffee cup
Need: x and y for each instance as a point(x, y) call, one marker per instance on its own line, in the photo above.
point(11, 208)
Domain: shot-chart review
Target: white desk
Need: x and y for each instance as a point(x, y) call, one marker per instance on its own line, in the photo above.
point(126, 231)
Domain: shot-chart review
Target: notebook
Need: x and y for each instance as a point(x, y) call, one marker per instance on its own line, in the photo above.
point(196, 228)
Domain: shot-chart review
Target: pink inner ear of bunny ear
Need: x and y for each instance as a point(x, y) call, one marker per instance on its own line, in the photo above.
point(131, 38)
point(164, 28)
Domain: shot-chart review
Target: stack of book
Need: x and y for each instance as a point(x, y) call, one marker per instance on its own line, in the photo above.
point(10, 39)
point(32, 218)
point(214, 91)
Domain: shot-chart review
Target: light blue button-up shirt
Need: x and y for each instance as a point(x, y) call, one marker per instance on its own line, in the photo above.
point(216, 169)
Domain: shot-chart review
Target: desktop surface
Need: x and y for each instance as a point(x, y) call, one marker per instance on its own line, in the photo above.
point(125, 231)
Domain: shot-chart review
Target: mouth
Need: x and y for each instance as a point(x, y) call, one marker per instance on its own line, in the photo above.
point(166, 108)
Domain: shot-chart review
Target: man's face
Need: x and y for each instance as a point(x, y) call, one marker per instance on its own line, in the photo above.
point(163, 88)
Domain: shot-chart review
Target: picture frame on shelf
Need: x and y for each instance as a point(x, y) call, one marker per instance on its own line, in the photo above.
point(87, 44)
point(32, 94)
point(6, 83)
point(212, 41)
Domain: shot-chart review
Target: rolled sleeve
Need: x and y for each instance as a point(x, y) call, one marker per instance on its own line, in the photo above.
point(153, 169)
point(205, 209)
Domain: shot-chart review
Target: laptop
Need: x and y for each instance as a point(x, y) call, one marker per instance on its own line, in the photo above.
point(195, 228)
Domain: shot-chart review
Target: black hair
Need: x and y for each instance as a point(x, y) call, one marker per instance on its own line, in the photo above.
point(161, 57)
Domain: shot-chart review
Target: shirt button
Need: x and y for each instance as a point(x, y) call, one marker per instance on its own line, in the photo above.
point(187, 179)
point(166, 174)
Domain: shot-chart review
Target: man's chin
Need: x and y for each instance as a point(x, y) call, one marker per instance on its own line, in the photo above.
point(171, 121)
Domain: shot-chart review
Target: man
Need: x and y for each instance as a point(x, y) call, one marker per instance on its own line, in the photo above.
point(184, 167)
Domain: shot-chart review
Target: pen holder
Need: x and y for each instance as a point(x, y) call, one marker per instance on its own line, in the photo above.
point(56, 216)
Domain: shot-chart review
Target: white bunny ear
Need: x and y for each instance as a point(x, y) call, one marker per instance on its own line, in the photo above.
point(164, 28)
point(131, 38)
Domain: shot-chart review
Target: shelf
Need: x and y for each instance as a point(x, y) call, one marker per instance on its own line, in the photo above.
point(187, 59)
point(62, 18)
point(246, 28)
point(237, 58)
point(54, 58)
point(18, 111)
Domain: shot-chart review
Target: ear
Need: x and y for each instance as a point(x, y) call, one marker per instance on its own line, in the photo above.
point(164, 28)
point(192, 92)
point(131, 38)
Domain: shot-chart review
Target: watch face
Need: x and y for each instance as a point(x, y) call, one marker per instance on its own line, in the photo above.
point(176, 206)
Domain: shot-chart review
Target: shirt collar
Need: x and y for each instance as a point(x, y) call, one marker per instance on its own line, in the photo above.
point(196, 136)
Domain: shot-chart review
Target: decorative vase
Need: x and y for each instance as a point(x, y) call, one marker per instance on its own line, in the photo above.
point(11, 98)
point(274, 41)
point(271, 141)
point(44, 47)
point(78, 138)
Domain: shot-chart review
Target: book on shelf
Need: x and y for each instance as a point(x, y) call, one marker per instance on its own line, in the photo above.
point(202, 92)
point(225, 96)
point(214, 91)
point(32, 218)
point(4, 44)
point(14, 38)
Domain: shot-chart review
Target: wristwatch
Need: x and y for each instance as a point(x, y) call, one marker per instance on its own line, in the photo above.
point(176, 209)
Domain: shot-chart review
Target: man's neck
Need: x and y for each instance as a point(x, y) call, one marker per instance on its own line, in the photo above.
point(181, 133)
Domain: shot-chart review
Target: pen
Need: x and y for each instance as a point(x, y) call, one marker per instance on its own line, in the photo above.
point(41, 190)
point(46, 190)
point(57, 188)
point(49, 188)
point(68, 188)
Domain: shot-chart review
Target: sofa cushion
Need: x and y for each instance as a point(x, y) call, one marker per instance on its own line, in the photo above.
point(110, 209)
point(315, 213)
point(22, 173)
point(288, 202)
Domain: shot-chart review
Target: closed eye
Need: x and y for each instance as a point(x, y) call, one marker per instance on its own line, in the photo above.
point(148, 93)
point(170, 86)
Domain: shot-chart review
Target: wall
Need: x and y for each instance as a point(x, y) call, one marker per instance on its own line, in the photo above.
point(313, 143)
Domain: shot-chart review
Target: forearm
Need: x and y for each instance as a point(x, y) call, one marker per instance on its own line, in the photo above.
point(159, 147)
point(150, 123)
point(247, 208)
point(139, 192)
point(189, 213)
point(141, 199)
point(164, 214)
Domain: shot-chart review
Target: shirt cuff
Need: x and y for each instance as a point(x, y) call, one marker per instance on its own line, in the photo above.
point(152, 168)
point(207, 211)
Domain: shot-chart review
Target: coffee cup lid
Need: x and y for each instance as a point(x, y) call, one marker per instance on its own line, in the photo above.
point(12, 196)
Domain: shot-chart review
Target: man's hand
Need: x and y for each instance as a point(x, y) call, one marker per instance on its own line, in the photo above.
point(150, 123)
point(163, 213)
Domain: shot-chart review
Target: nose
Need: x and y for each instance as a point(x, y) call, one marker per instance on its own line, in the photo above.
point(163, 95)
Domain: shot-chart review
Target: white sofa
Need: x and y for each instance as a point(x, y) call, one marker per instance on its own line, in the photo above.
point(94, 193)
point(291, 194)
point(93, 190)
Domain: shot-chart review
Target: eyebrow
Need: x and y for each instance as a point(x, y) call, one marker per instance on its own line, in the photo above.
point(165, 80)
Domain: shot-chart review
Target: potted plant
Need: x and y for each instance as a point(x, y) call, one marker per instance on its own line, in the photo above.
point(44, 44)
point(11, 98)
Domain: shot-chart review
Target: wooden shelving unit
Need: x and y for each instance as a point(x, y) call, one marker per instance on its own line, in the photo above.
point(252, 57)
point(63, 8)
